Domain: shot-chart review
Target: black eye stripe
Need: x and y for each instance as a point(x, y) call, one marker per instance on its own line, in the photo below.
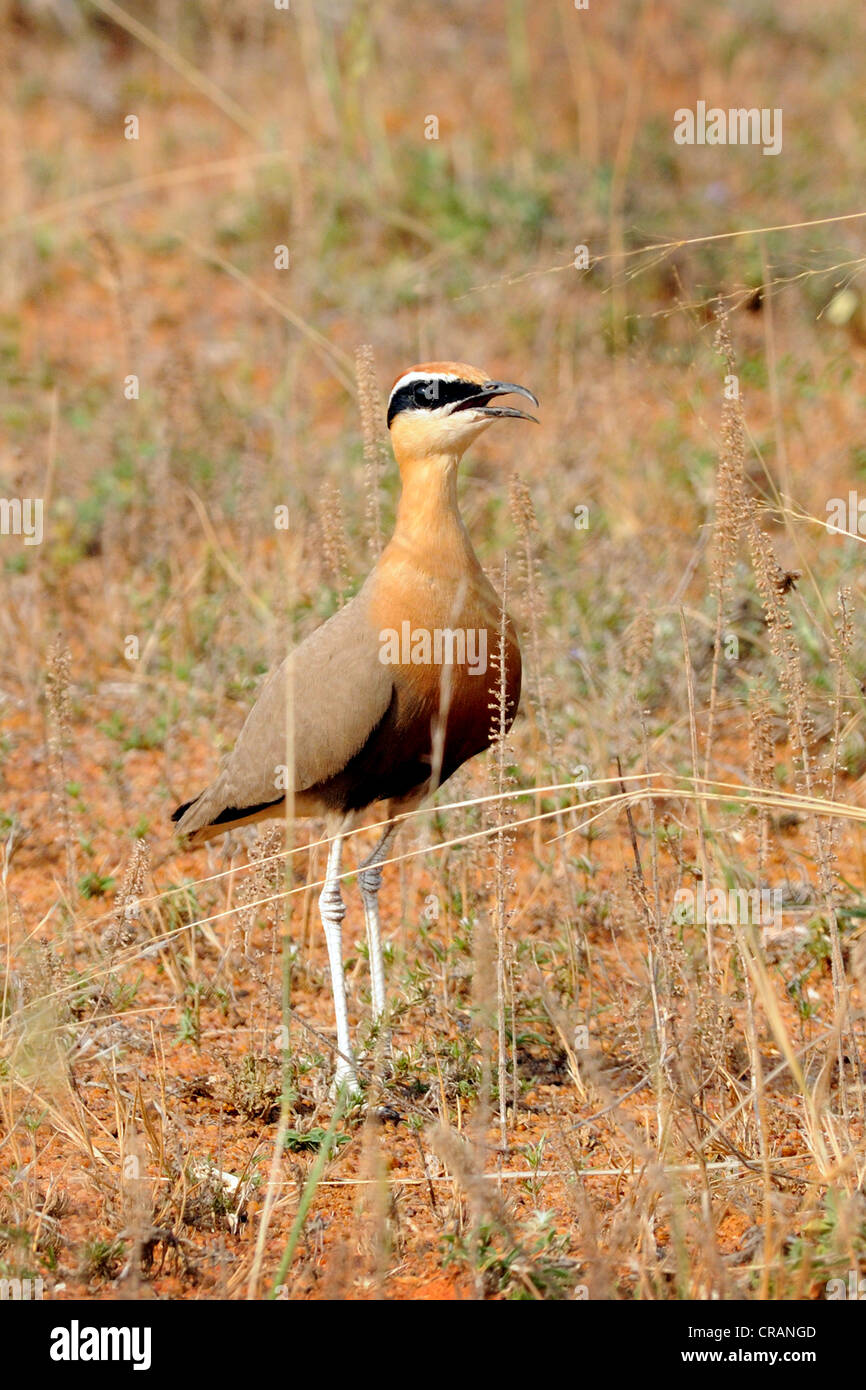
point(429, 394)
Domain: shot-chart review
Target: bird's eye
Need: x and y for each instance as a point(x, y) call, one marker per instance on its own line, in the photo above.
point(427, 392)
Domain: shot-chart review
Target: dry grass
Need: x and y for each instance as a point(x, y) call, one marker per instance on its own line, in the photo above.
point(594, 1089)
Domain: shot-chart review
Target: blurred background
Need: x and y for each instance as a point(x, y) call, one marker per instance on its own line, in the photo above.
point(207, 210)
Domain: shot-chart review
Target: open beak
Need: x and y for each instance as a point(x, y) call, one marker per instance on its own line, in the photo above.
point(487, 392)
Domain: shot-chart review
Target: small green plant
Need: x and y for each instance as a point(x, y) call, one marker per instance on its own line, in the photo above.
point(101, 1258)
point(832, 1242)
point(534, 1155)
point(95, 885)
point(312, 1139)
point(533, 1268)
point(255, 1087)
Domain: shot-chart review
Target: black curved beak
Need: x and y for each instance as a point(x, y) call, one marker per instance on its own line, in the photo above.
point(487, 392)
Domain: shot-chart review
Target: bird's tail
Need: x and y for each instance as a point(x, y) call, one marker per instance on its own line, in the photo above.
point(207, 815)
point(193, 817)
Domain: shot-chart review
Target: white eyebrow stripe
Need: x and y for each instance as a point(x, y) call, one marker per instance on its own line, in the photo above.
point(423, 376)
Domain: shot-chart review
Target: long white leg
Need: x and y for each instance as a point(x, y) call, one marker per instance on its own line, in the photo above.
point(333, 910)
point(370, 880)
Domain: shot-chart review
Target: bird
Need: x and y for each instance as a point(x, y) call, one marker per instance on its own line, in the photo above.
point(388, 697)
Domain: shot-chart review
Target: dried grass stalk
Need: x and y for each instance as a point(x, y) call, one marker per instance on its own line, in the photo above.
point(370, 402)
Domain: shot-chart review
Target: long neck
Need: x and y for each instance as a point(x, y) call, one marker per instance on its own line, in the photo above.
point(429, 561)
point(428, 518)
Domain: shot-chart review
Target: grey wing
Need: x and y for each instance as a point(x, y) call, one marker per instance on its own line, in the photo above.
point(341, 692)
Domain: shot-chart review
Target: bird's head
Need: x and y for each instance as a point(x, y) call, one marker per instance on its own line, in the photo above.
point(438, 408)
